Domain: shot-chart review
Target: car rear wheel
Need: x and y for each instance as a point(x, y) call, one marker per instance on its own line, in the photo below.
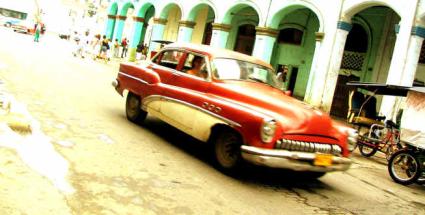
point(133, 108)
point(227, 149)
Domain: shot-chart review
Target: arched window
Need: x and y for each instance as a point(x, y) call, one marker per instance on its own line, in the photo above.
point(245, 39)
point(290, 36)
point(357, 39)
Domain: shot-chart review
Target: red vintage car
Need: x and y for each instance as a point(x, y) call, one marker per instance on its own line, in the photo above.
point(234, 102)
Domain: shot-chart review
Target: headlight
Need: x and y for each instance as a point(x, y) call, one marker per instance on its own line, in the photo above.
point(268, 129)
point(352, 136)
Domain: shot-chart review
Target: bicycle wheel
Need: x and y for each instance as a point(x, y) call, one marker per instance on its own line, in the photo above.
point(367, 151)
point(404, 167)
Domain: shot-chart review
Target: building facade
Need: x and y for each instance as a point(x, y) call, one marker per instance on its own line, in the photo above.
point(322, 43)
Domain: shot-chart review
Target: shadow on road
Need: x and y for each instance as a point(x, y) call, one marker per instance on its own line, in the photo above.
point(249, 174)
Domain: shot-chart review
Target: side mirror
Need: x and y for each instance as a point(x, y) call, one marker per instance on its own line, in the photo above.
point(288, 93)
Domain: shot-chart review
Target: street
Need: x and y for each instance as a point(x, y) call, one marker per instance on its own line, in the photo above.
point(117, 167)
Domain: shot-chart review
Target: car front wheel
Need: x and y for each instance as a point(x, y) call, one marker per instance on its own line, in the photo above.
point(227, 149)
point(133, 108)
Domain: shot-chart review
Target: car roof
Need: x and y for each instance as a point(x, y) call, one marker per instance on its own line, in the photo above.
point(215, 52)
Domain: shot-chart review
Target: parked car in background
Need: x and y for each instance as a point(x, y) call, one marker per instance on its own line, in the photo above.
point(25, 27)
point(14, 14)
point(7, 22)
point(235, 102)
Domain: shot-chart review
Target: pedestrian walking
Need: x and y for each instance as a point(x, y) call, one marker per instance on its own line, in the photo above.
point(85, 42)
point(139, 50)
point(124, 45)
point(95, 46)
point(116, 50)
point(79, 45)
point(37, 32)
point(104, 48)
point(145, 51)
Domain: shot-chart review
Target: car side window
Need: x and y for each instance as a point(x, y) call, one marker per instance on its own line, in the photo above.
point(195, 65)
point(169, 59)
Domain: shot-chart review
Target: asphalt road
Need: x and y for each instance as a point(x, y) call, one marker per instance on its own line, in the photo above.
point(116, 167)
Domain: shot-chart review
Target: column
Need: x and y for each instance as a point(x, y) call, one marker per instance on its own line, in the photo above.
point(137, 31)
point(220, 34)
point(264, 43)
point(110, 25)
point(399, 54)
point(329, 80)
point(157, 33)
point(119, 27)
point(185, 31)
point(314, 67)
point(405, 76)
point(413, 54)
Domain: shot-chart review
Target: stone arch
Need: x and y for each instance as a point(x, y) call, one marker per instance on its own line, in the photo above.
point(227, 17)
point(352, 10)
point(164, 11)
point(113, 8)
point(195, 9)
point(294, 52)
point(276, 17)
point(379, 20)
point(141, 10)
point(124, 8)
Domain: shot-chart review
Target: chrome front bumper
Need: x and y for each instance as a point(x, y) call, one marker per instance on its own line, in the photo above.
point(298, 161)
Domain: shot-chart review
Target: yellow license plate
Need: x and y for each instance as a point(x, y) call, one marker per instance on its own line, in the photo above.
point(323, 160)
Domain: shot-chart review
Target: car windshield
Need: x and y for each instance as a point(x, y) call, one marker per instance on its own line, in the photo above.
point(232, 69)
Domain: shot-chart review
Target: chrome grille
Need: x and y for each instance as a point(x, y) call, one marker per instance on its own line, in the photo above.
point(301, 146)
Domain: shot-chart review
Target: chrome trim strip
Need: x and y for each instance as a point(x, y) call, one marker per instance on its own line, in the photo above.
point(132, 77)
point(298, 161)
point(149, 99)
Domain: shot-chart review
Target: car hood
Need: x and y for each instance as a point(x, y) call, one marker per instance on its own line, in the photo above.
point(294, 116)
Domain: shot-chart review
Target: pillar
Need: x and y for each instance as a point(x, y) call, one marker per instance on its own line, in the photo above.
point(314, 67)
point(406, 76)
point(110, 25)
point(119, 27)
point(264, 43)
point(329, 80)
point(220, 34)
point(400, 54)
point(157, 33)
point(185, 31)
point(413, 54)
point(137, 31)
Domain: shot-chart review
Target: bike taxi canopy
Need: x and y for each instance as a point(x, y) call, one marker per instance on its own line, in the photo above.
point(382, 89)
